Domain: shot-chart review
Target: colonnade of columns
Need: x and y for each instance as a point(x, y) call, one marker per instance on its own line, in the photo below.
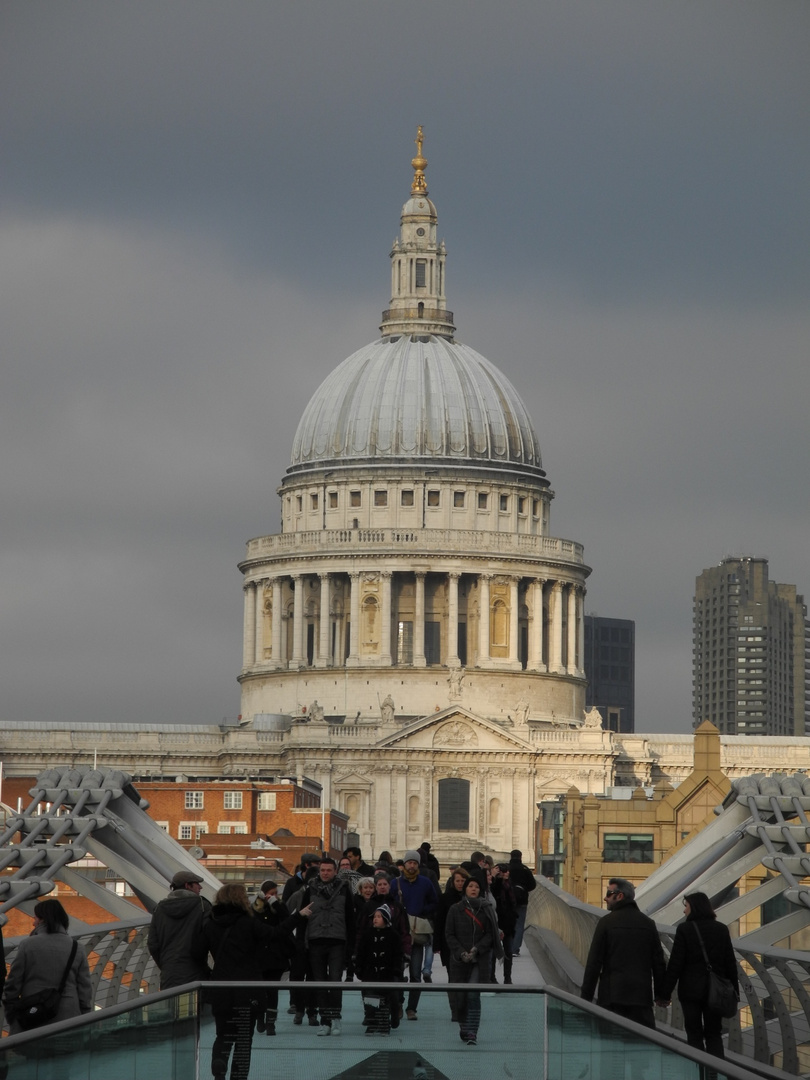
point(555, 642)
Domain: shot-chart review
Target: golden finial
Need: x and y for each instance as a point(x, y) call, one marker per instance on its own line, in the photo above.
point(419, 163)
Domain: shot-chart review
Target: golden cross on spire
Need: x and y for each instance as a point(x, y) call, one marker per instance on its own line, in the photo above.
point(419, 186)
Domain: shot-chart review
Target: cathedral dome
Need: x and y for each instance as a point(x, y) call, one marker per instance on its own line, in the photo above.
point(416, 398)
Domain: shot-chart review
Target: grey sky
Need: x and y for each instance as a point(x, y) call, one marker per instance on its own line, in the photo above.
point(198, 202)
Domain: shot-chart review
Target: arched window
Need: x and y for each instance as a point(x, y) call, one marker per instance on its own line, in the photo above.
point(370, 633)
point(454, 805)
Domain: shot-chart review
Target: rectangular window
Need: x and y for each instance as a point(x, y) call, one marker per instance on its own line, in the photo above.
point(433, 498)
point(521, 505)
point(433, 637)
point(354, 498)
point(267, 800)
point(232, 800)
point(421, 273)
point(194, 800)
point(299, 499)
point(535, 508)
point(185, 832)
point(503, 503)
point(333, 500)
point(628, 848)
point(313, 501)
point(381, 498)
point(458, 499)
point(406, 498)
point(483, 499)
point(405, 642)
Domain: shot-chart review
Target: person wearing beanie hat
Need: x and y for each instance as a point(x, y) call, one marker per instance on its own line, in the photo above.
point(176, 941)
point(419, 897)
point(379, 960)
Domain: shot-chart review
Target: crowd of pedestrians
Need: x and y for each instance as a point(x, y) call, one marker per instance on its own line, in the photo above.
point(336, 921)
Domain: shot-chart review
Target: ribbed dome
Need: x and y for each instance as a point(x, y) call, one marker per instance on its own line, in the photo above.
point(405, 399)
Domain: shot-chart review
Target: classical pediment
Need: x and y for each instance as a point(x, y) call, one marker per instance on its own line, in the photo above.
point(455, 728)
point(352, 778)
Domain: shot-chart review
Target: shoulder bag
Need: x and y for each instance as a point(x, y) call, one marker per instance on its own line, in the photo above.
point(40, 1008)
point(421, 929)
point(722, 996)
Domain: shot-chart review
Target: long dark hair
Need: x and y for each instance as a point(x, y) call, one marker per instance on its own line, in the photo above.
point(52, 915)
point(700, 907)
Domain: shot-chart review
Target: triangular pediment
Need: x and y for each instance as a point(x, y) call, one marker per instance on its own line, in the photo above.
point(352, 778)
point(455, 728)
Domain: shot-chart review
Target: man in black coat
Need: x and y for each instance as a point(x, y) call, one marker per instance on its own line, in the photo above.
point(523, 882)
point(626, 958)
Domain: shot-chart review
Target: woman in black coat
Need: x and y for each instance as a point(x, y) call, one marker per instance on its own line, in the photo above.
point(237, 941)
point(687, 968)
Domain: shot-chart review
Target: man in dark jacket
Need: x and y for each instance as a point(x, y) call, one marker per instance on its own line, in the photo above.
point(330, 939)
point(523, 882)
point(626, 958)
point(297, 881)
point(176, 941)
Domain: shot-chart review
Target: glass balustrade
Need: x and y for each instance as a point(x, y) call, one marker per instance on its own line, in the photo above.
point(523, 1034)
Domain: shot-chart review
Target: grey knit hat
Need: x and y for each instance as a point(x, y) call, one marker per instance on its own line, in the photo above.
point(412, 855)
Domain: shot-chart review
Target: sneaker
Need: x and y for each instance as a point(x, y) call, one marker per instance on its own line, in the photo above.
point(471, 1039)
point(335, 1029)
point(270, 1027)
point(298, 1019)
point(411, 1014)
point(324, 1029)
point(427, 978)
point(312, 1020)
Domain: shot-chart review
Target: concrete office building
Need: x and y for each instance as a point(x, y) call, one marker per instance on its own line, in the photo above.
point(610, 668)
point(748, 652)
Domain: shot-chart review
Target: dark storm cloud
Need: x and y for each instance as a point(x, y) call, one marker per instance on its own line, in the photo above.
point(198, 203)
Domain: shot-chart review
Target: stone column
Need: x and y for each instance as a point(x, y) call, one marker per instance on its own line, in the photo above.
point(275, 644)
point(419, 659)
point(483, 622)
point(536, 628)
point(555, 630)
point(258, 637)
point(385, 616)
point(514, 623)
point(298, 658)
point(324, 659)
point(452, 620)
point(572, 630)
point(249, 626)
point(581, 630)
point(353, 659)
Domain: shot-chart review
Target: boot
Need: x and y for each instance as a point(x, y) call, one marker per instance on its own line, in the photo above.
point(270, 1018)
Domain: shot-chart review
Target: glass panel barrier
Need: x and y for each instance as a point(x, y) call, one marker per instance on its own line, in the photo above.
point(523, 1033)
point(153, 1040)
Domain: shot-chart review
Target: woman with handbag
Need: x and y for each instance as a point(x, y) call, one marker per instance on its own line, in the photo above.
point(702, 948)
point(49, 978)
point(470, 933)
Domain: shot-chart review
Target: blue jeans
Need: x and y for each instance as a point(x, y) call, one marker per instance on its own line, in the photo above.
point(427, 965)
point(415, 974)
point(327, 958)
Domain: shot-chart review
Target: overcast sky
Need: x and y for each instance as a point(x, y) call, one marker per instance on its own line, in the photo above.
point(198, 202)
